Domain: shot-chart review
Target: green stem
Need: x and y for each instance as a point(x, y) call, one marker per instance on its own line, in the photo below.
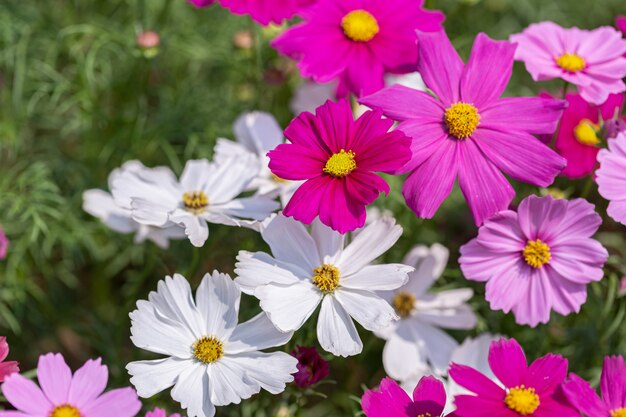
point(587, 188)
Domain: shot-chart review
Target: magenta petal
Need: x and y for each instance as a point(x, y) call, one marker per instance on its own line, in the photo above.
point(334, 125)
point(429, 396)
point(470, 406)
point(584, 398)
point(397, 153)
point(401, 103)
point(488, 70)
point(425, 140)
point(613, 382)
point(389, 401)
point(520, 155)
point(486, 190)
point(472, 380)
point(546, 373)
point(54, 377)
point(440, 65)
point(4, 348)
point(430, 183)
point(530, 114)
point(122, 402)
point(88, 383)
point(303, 131)
point(8, 368)
point(508, 362)
point(364, 74)
point(304, 206)
point(342, 208)
point(25, 396)
point(291, 161)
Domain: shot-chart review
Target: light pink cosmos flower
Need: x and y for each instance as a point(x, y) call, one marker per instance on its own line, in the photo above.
point(9, 367)
point(159, 412)
point(65, 395)
point(611, 177)
point(529, 390)
point(267, 11)
point(612, 386)
point(4, 244)
point(582, 130)
point(357, 42)
point(590, 59)
point(468, 131)
point(537, 259)
point(337, 156)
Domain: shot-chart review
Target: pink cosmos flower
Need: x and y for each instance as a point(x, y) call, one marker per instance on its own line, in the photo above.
point(429, 399)
point(65, 395)
point(581, 131)
point(357, 41)
point(159, 412)
point(468, 130)
point(612, 386)
point(9, 367)
point(620, 23)
point(537, 259)
point(611, 179)
point(312, 368)
point(267, 11)
point(4, 244)
point(201, 3)
point(337, 156)
point(592, 60)
point(532, 391)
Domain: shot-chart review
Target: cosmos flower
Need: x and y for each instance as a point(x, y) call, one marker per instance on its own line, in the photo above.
point(6, 367)
point(582, 130)
point(620, 24)
point(118, 217)
point(429, 399)
point(612, 386)
point(312, 368)
point(267, 11)
point(537, 259)
point(201, 3)
point(524, 391)
point(337, 156)
point(610, 177)
point(468, 131)
point(65, 395)
point(306, 270)
point(206, 193)
point(593, 60)
point(4, 244)
point(415, 342)
point(257, 133)
point(211, 360)
point(159, 412)
point(356, 43)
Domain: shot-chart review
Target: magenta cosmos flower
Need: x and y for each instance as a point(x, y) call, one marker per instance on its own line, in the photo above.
point(312, 368)
point(532, 391)
point(537, 259)
point(582, 130)
point(620, 23)
point(611, 177)
point(468, 131)
point(356, 42)
point(612, 386)
point(4, 244)
point(201, 3)
point(159, 412)
point(429, 399)
point(9, 367)
point(65, 395)
point(592, 60)
point(266, 11)
point(337, 156)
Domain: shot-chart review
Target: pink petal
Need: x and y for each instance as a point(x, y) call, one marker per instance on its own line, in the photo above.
point(54, 377)
point(584, 398)
point(25, 396)
point(8, 368)
point(397, 153)
point(389, 401)
point(502, 234)
point(546, 373)
point(88, 383)
point(613, 382)
point(429, 396)
point(508, 362)
point(4, 348)
point(474, 381)
point(509, 284)
point(334, 124)
point(580, 221)
point(341, 208)
point(292, 161)
point(479, 263)
point(534, 307)
point(440, 65)
point(567, 296)
point(486, 190)
point(425, 140)
point(122, 402)
point(487, 72)
point(303, 131)
point(403, 103)
point(579, 261)
point(430, 183)
point(530, 114)
point(540, 216)
point(470, 406)
point(304, 205)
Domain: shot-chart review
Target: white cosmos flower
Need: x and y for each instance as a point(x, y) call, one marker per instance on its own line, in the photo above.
point(257, 133)
point(416, 342)
point(206, 192)
point(100, 204)
point(211, 360)
point(306, 270)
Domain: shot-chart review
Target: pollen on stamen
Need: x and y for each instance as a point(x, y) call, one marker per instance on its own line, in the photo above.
point(208, 349)
point(326, 278)
point(65, 410)
point(461, 119)
point(618, 412)
point(404, 303)
point(522, 400)
point(195, 201)
point(537, 253)
point(585, 132)
point(340, 164)
point(360, 26)
point(571, 62)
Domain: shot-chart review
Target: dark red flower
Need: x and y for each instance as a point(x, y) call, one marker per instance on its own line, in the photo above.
point(312, 368)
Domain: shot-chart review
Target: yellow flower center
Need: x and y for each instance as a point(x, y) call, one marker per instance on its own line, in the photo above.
point(195, 201)
point(522, 400)
point(208, 349)
point(424, 415)
point(403, 303)
point(326, 278)
point(65, 410)
point(571, 62)
point(461, 119)
point(618, 412)
point(537, 253)
point(278, 179)
point(340, 164)
point(585, 133)
point(556, 193)
point(359, 25)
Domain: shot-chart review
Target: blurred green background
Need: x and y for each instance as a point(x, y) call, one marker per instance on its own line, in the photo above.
point(78, 98)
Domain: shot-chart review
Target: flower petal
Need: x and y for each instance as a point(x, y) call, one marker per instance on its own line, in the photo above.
point(217, 299)
point(258, 333)
point(88, 383)
point(152, 377)
point(508, 362)
point(288, 306)
point(440, 65)
point(336, 331)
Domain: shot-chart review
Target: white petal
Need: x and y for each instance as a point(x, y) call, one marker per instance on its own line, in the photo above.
point(217, 299)
point(290, 242)
point(270, 371)
point(438, 346)
point(100, 204)
point(196, 228)
point(447, 309)
point(255, 334)
point(195, 175)
point(336, 331)
point(259, 268)
point(371, 242)
point(258, 131)
point(150, 212)
point(133, 180)
point(152, 377)
point(288, 306)
point(475, 352)
point(429, 265)
point(173, 300)
point(368, 309)
point(403, 355)
point(160, 236)
point(257, 207)
point(228, 178)
point(329, 242)
point(192, 391)
point(225, 149)
point(228, 384)
point(378, 277)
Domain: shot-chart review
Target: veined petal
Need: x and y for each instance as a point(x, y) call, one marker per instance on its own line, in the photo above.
point(288, 306)
point(403, 103)
point(440, 65)
point(192, 391)
point(217, 299)
point(537, 115)
point(152, 377)
point(336, 331)
point(25, 395)
point(378, 277)
point(88, 383)
point(54, 377)
point(258, 333)
point(368, 309)
point(122, 402)
point(291, 242)
point(259, 268)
